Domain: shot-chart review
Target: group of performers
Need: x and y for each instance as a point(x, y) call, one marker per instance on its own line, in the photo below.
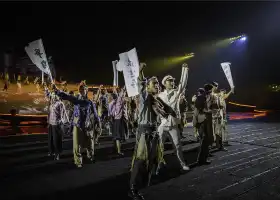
point(152, 115)
point(18, 79)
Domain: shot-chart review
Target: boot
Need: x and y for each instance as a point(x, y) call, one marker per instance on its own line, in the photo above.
point(205, 162)
point(134, 194)
point(57, 157)
point(222, 148)
point(221, 145)
point(218, 144)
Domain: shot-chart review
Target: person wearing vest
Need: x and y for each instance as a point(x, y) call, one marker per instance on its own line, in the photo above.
point(147, 152)
point(84, 118)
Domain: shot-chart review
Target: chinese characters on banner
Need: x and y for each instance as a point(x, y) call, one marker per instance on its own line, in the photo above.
point(129, 65)
point(226, 68)
point(36, 52)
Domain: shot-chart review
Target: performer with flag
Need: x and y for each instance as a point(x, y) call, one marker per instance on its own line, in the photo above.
point(170, 96)
point(217, 117)
point(223, 97)
point(226, 68)
point(85, 115)
point(147, 153)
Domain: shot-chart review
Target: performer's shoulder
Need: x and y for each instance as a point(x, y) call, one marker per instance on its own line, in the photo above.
point(161, 95)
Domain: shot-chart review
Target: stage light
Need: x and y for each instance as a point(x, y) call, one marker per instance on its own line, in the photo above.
point(243, 38)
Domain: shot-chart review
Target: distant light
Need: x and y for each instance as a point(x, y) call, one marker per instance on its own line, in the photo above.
point(243, 38)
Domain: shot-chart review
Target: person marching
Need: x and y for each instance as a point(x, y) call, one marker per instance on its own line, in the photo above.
point(223, 96)
point(19, 84)
point(183, 106)
point(201, 123)
point(84, 118)
point(118, 119)
point(147, 152)
point(170, 97)
point(217, 117)
point(55, 118)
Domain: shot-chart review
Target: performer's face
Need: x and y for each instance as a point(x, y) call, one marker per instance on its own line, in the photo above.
point(169, 84)
point(82, 91)
point(153, 86)
point(214, 89)
point(110, 97)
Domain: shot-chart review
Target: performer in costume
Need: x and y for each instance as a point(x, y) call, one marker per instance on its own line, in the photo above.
point(201, 122)
point(118, 119)
point(55, 118)
point(147, 153)
point(111, 111)
point(196, 133)
point(223, 97)
point(183, 108)
point(170, 96)
point(217, 117)
point(85, 115)
point(69, 107)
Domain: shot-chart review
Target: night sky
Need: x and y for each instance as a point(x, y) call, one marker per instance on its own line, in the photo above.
point(84, 38)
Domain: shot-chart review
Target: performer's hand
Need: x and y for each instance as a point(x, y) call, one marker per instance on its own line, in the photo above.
point(194, 98)
point(142, 66)
point(232, 90)
point(185, 65)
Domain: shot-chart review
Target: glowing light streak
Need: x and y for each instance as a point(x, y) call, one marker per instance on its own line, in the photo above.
point(242, 105)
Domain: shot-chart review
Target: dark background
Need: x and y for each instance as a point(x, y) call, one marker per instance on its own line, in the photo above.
point(84, 38)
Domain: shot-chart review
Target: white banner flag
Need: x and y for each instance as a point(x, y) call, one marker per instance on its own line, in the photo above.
point(227, 71)
point(129, 65)
point(116, 74)
point(36, 52)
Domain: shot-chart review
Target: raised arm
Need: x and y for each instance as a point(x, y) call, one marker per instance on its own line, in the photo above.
point(97, 96)
point(228, 94)
point(142, 82)
point(47, 92)
point(68, 97)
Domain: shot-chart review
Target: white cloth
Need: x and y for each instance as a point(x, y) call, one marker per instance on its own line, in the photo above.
point(227, 71)
point(172, 98)
point(129, 65)
point(174, 132)
point(36, 52)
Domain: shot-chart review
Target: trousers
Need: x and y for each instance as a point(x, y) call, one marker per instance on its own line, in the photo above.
point(204, 142)
point(82, 139)
point(55, 139)
point(174, 132)
point(147, 155)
